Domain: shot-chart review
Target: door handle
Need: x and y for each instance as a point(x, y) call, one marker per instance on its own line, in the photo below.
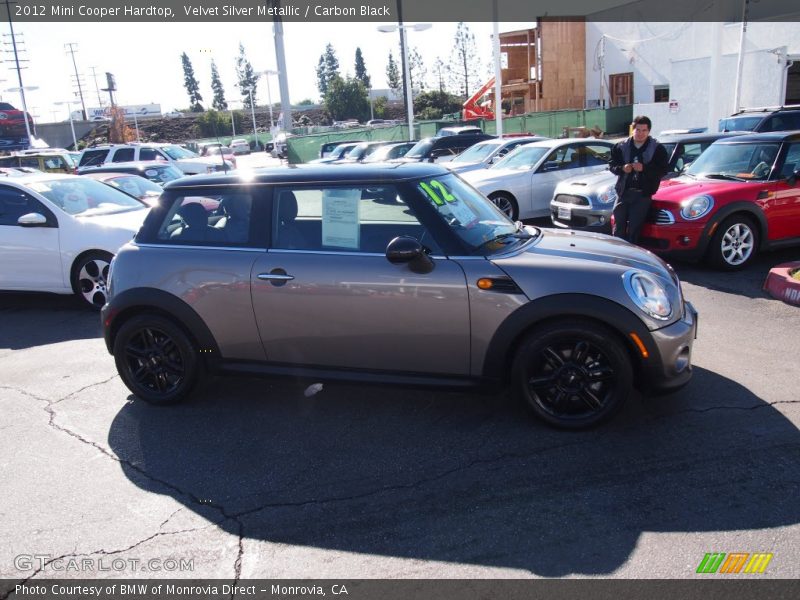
point(275, 277)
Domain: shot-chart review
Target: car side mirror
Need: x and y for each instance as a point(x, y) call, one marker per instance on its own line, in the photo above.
point(792, 179)
point(32, 220)
point(408, 250)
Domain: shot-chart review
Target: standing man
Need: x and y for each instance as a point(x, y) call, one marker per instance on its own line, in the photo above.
point(639, 164)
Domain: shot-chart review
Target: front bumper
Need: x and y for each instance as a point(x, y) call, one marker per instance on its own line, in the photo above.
point(671, 369)
point(680, 240)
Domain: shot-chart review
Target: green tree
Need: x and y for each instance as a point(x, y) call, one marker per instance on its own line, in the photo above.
point(379, 106)
point(440, 72)
point(361, 70)
point(327, 69)
point(464, 61)
point(393, 76)
point(435, 104)
point(191, 84)
point(416, 70)
point(246, 76)
point(218, 102)
point(347, 99)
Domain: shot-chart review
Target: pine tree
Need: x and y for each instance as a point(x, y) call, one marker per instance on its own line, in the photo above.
point(440, 72)
point(464, 63)
point(327, 69)
point(247, 77)
point(191, 84)
point(361, 70)
point(216, 85)
point(416, 70)
point(393, 76)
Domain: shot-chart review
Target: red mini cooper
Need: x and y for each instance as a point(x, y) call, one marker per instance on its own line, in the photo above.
point(741, 196)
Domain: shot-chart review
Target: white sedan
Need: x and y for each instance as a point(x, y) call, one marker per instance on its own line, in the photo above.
point(522, 183)
point(58, 233)
point(240, 146)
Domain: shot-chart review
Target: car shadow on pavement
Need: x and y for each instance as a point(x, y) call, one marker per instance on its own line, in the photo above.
point(465, 478)
point(37, 319)
point(748, 282)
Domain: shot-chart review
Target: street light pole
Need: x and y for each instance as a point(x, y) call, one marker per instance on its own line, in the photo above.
point(253, 113)
point(266, 74)
point(233, 125)
point(406, 71)
point(71, 124)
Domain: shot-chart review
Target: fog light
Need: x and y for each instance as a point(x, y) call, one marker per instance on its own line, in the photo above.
point(683, 360)
point(684, 240)
point(602, 220)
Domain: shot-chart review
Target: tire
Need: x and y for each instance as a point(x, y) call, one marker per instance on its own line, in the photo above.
point(572, 374)
point(506, 203)
point(89, 278)
point(156, 359)
point(735, 243)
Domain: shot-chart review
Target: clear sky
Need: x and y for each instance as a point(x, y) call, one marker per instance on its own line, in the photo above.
point(145, 58)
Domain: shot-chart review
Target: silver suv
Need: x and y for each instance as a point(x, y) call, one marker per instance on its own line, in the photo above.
point(401, 274)
point(187, 161)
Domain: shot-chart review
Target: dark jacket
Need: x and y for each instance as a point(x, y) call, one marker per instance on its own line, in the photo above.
point(654, 158)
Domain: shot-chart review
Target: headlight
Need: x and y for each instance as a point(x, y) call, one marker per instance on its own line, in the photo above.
point(648, 294)
point(697, 207)
point(3, 116)
point(607, 195)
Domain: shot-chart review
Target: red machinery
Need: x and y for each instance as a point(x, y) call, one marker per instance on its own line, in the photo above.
point(474, 108)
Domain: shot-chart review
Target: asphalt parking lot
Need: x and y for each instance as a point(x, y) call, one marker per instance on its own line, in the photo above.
point(254, 479)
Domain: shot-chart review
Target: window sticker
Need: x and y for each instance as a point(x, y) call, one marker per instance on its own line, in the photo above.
point(340, 218)
point(438, 193)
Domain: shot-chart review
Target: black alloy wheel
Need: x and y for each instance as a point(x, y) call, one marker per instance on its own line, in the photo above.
point(572, 374)
point(156, 359)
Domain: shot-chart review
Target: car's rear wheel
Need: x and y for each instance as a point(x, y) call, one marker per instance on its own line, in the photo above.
point(156, 359)
point(572, 374)
point(735, 243)
point(90, 278)
point(506, 203)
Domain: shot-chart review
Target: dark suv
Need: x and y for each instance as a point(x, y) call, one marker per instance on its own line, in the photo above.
point(443, 148)
point(760, 120)
point(398, 274)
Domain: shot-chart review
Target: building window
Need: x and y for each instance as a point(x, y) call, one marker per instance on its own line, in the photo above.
point(661, 93)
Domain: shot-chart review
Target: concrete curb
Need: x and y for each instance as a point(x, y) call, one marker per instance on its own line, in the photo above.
point(781, 285)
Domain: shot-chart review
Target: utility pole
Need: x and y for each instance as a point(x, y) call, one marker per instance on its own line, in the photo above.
point(19, 72)
point(97, 87)
point(71, 50)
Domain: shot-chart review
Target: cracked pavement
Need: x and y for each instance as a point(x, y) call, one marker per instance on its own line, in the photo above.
point(252, 479)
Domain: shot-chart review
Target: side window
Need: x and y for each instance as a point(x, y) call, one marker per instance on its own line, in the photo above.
point(565, 157)
point(150, 154)
point(55, 162)
point(123, 155)
point(342, 219)
point(92, 158)
point(689, 154)
point(792, 161)
point(221, 219)
point(15, 203)
point(29, 161)
point(596, 154)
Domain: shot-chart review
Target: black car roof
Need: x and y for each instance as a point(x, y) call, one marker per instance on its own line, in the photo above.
point(682, 138)
point(315, 174)
point(777, 136)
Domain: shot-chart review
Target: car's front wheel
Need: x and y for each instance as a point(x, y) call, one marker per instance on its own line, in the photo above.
point(156, 359)
point(735, 243)
point(90, 278)
point(572, 374)
point(506, 203)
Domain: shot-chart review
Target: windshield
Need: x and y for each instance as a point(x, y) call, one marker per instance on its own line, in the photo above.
point(162, 174)
point(420, 149)
point(475, 220)
point(340, 151)
point(357, 152)
point(85, 197)
point(476, 153)
point(136, 186)
point(521, 159)
point(176, 152)
point(748, 161)
point(739, 123)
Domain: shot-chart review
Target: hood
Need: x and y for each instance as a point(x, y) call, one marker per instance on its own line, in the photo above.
point(127, 221)
point(204, 160)
point(589, 181)
point(679, 189)
point(484, 176)
point(591, 248)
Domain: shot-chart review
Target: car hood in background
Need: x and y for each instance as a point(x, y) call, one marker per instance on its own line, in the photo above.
point(481, 177)
point(589, 181)
point(129, 220)
point(681, 188)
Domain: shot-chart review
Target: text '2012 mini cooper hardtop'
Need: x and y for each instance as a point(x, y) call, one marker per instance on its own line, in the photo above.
point(395, 273)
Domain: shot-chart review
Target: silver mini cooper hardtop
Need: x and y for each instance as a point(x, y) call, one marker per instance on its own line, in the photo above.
point(401, 274)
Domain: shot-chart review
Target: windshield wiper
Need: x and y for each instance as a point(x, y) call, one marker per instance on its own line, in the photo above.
point(518, 234)
point(722, 176)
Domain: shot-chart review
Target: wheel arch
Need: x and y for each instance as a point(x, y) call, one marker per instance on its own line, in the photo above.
point(510, 195)
point(138, 301)
point(749, 209)
point(586, 307)
point(73, 267)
